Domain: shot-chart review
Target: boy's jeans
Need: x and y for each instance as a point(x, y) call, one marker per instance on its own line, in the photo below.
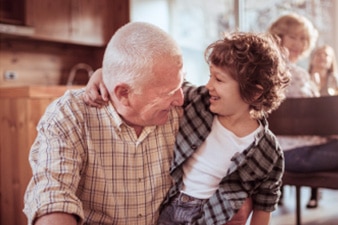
point(182, 210)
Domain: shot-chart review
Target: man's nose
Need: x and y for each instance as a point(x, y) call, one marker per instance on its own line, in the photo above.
point(178, 98)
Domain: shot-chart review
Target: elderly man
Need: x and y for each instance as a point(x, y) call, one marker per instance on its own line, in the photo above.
point(110, 165)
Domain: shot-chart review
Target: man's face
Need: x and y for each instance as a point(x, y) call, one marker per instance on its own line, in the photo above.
point(159, 95)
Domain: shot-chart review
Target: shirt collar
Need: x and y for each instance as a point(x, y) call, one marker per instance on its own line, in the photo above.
point(119, 122)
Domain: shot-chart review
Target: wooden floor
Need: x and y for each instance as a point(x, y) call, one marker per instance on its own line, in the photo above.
point(325, 214)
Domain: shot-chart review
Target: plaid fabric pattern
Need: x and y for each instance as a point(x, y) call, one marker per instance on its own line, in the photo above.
point(87, 162)
point(255, 172)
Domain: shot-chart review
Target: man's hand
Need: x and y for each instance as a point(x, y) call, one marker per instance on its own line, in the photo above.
point(96, 93)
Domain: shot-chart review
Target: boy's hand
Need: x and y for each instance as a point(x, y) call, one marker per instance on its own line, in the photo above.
point(96, 93)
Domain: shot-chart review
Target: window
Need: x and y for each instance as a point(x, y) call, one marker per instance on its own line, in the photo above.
point(194, 24)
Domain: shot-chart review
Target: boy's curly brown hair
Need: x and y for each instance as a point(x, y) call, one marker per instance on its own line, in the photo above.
point(258, 63)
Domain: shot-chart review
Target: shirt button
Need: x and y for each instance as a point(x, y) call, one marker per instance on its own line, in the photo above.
point(140, 215)
point(185, 198)
point(139, 180)
point(194, 147)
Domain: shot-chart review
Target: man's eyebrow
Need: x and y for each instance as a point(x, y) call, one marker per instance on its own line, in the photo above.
point(174, 90)
point(179, 86)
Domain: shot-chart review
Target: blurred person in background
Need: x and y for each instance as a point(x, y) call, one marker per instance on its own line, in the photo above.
point(323, 70)
point(303, 153)
point(299, 37)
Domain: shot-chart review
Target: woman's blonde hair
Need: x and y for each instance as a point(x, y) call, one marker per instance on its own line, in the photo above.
point(333, 67)
point(289, 23)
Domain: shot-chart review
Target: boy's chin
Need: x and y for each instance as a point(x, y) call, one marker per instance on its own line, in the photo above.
point(212, 109)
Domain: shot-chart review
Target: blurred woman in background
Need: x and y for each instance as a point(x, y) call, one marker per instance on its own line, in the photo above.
point(323, 70)
point(298, 36)
point(303, 154)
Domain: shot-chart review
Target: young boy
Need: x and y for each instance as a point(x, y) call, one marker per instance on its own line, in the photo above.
point(225, 153)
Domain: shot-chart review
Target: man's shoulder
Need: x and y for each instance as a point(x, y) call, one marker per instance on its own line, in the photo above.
point(71, 96)
point(71, 102)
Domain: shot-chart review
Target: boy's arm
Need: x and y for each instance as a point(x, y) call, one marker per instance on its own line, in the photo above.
point(56, 218)
point(191, 92)
point(97, 95)
point(96, 92)
point(260, 217)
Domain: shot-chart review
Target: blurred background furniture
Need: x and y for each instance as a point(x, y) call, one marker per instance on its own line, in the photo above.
point(21, 109)
point(307, 116)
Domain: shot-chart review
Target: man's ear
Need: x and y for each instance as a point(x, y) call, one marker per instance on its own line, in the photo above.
point(122, 93)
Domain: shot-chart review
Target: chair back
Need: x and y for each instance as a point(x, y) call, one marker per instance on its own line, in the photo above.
point(306, 116)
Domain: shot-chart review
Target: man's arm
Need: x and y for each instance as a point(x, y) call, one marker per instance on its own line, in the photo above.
point(56, 219)
point(56, 162)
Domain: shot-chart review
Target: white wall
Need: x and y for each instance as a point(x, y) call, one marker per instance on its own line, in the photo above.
point(335, 30)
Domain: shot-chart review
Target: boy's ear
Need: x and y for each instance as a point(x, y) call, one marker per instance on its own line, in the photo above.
point(122, 93)
point(260, 92)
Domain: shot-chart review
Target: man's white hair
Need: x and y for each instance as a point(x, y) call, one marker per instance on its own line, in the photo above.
point(132, 53)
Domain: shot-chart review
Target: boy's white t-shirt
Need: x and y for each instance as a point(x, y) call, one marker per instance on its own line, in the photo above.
point(204, 170)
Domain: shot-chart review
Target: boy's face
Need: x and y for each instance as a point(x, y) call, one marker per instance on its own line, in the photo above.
point(225, 97)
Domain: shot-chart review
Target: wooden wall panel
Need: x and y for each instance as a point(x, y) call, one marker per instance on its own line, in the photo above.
point(87, 21)
point(120, 11)
point(17, 136)
point(15, 146)
point(41, 63)
point(66, 32)
point(77, 21)
point(13, 153)
point(49, 18)
point(21, 110)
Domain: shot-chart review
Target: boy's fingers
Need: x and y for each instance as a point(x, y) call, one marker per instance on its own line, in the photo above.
point(104, 92)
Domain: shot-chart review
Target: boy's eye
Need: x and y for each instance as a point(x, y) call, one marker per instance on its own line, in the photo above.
point(215, 78)
point(218, 79)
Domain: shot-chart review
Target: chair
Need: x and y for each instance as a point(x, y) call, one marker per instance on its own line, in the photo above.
point(307, 116)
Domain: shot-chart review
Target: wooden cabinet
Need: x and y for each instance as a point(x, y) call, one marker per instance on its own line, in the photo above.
point(21, 109)
point(72, 21)
point(88, 22)
point(56, 35)
point(12, 11)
